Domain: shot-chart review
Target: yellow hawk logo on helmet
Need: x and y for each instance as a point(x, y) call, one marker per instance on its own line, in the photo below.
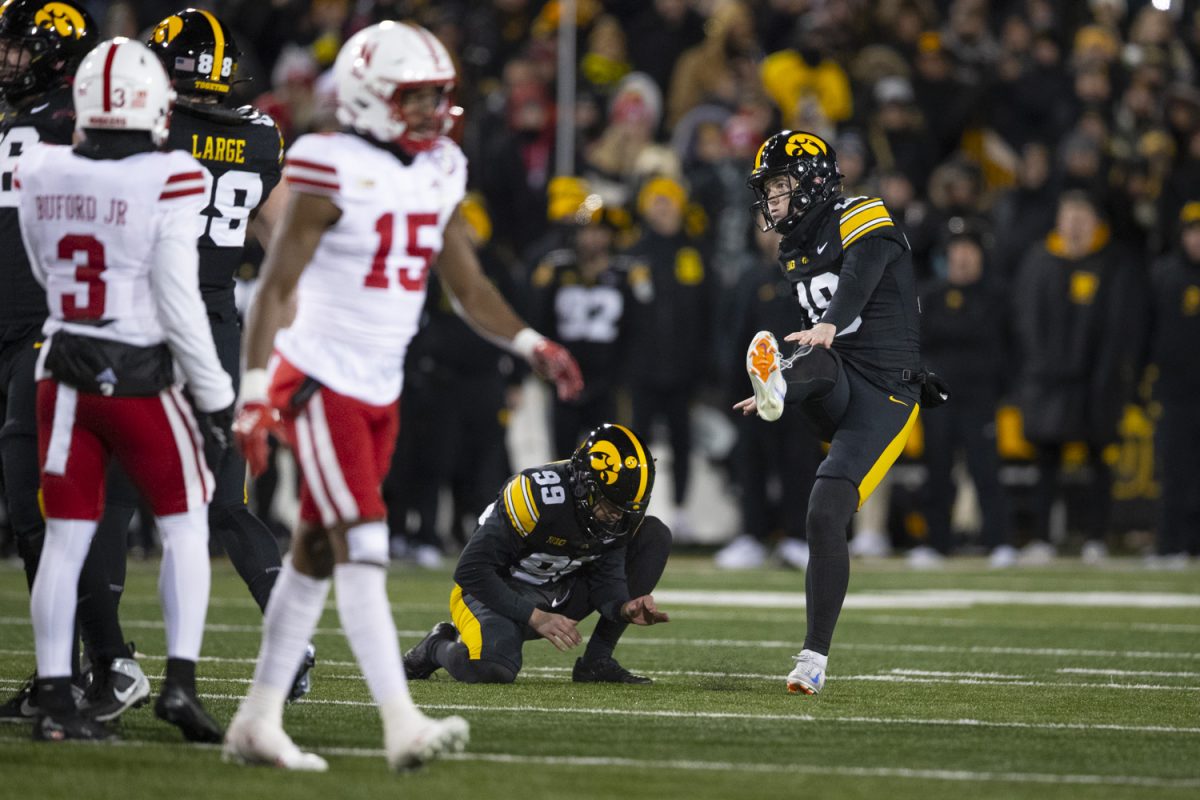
point(62, 19)
point(805, 143)
point(168, 29)
point(605, 460)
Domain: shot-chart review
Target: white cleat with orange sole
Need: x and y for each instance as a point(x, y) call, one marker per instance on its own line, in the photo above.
point(766, 376)
point(808, 676)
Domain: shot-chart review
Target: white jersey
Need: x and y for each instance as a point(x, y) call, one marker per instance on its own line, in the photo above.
point(360, 298)
point(113, 241)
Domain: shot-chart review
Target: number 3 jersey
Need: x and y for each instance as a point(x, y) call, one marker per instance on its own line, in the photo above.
point(360, 297)
point(850, 266)
point(113, 241)
point(242, 150)
point(531, 537)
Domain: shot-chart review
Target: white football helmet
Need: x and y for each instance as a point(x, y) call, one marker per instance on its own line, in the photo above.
point(380, 62)
point(121, 86)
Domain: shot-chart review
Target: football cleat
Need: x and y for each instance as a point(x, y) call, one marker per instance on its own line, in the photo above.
point(604, 670)
point(183, 709)
point(808, 676)
point(418, 662)
point(424, 741)
point(252, 740)
point(766, 377)
point(23, 707)
point(75, 727)
point(302, 685)
point(116, 690)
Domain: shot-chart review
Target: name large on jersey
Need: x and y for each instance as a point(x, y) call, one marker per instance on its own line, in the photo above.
point(361, 295)
point(242, 151)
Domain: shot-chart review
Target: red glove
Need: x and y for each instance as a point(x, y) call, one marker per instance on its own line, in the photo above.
point(255, 419)
point(554, 363)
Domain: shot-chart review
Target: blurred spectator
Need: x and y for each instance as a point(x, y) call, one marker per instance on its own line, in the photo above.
point(659, 34)
point(605, 60)
point(291, 101)
point(1078, 309)
point(579, 296)
point(804, 74)
point(1175, 332)
point(722, 67)
point(897, 135)
point(670, 348)
point(964, 338)
point(945, 101)
point(613, 160)
point(969, 40)
point(1025, 213)
point(775, 466)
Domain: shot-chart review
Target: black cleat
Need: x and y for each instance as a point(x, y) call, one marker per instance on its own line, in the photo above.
point(604, 670)
point(418, 662)
point(182, 709)
point(115, 690)
point(21, 707)
point(303, 683)
point(75, 727)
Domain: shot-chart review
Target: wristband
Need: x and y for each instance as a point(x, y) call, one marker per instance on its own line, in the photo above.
point(524, 343)
point(254, 386)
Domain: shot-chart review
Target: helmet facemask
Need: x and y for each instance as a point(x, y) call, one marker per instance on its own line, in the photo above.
point(440, 117)
point(810, 186)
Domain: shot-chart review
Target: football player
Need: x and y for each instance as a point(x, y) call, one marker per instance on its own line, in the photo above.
point(857, 373)
point(560, 541)
point(370, 210)
point(41, 44)
point(109, 226)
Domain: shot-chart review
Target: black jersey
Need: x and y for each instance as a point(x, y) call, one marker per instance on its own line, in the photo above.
point(243, 150)
point(852, 267)
point(47, 118)
point(587, 315)
point(530, 535)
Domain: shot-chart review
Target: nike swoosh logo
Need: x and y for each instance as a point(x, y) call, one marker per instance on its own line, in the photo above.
point(558, 601)
point(821, 249)
point(892, 397)
point(36, 109)
point(28, 709)
point(816, 678)
point(124, 696)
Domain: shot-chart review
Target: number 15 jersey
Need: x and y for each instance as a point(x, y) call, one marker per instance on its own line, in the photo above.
point(360, 297)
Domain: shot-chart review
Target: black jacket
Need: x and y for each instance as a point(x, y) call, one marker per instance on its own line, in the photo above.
point(1175, 328)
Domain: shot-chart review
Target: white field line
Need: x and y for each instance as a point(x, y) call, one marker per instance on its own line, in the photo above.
point(931, 598)
point(1126, 672)
point(957, 776)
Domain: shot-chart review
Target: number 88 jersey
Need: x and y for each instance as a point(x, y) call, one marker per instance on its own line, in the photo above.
point(360, 297)
point(242, 150)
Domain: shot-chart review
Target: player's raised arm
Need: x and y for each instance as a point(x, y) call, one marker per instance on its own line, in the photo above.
point(490, 314)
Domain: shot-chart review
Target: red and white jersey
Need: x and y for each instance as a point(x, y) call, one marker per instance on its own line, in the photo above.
point(113, 241)
point(360, 297)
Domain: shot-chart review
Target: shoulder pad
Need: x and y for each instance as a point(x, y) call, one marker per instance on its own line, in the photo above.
point(861, 216)
point(519, 505)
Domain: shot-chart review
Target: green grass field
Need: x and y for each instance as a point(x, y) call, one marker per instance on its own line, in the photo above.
point(1058, 682)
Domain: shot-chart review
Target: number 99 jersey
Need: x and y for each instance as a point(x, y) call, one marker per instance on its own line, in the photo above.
point(243, 151)
point(360, 297)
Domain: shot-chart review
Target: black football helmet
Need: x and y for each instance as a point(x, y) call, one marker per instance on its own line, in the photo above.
point(199, 54)
point(613, 465)
point(41, 45)
point(811, 164)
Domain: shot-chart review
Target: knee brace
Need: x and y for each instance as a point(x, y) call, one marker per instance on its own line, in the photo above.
point(368, 543)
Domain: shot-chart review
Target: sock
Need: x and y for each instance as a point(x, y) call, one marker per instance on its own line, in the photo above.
point(54, 696)
point(830, 508)
point(55, 591)
point(184, 579)
point(367, 622)
point(96, 611)
point(291, 617)
point(182, 673)
point(251, 548)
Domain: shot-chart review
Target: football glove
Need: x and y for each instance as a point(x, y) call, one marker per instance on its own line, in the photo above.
point(216, 428)
point(555, 363)
point(255, 419)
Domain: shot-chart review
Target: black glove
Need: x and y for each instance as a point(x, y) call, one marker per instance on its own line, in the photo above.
point(217, 428)
point(934, 390)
